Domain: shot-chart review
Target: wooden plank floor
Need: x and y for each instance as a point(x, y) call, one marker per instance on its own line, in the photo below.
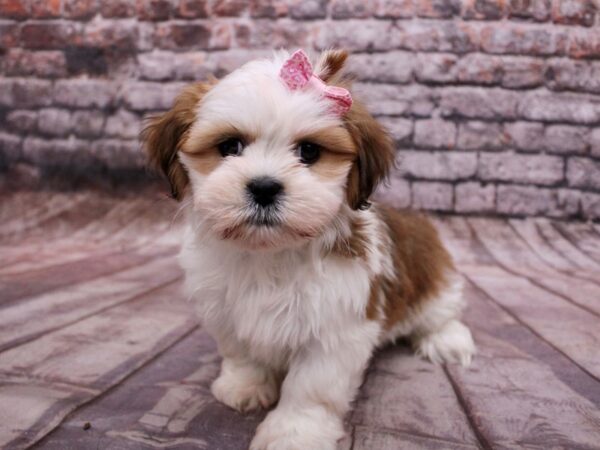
point(99, 349)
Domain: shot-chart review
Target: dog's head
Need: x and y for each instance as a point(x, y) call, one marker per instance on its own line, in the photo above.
point(267, 165)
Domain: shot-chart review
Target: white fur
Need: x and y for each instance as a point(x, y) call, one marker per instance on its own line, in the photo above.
point(435, 332)
point(276, 303)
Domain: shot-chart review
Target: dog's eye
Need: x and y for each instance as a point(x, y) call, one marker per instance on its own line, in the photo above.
point(231, 147)
point(309, 152)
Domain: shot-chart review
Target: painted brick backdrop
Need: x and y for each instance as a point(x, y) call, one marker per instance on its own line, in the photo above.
point(494, 104)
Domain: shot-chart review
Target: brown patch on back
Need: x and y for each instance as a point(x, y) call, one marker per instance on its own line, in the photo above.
point(420, 260)
point(164, 135)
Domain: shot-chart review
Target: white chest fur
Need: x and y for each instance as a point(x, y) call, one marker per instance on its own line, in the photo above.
point(272, 303)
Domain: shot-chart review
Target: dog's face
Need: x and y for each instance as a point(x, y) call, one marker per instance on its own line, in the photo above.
point(268, 167)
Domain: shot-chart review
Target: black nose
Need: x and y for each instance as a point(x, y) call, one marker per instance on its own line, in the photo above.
point(264, 190)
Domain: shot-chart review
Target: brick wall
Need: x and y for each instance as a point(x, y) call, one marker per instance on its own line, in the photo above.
point(494, 104)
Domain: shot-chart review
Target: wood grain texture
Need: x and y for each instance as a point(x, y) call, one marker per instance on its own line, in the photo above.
point(94, 329)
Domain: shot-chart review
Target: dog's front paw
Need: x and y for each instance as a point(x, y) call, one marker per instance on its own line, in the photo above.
point(244, 393)
point(307, 429)
point(453, 344)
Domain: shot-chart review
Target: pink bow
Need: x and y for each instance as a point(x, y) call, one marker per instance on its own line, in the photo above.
point(297, 72)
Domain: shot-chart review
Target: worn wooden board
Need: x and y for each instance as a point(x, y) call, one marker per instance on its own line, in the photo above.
point(28, 319)
point(94, 328)
point(166, 404)
point(397, 385)
point(565, 323)
point(583, 236)
point(514, 256)
point(521, 391)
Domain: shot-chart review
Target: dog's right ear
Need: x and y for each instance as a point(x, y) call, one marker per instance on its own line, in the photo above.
point(164, 134)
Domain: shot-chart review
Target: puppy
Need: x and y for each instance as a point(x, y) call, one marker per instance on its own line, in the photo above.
point(295, 274)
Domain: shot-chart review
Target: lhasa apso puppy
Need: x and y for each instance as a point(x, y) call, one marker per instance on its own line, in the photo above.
point(295, 274)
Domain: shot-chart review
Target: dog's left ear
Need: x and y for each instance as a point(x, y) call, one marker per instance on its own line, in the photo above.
point(374, 159)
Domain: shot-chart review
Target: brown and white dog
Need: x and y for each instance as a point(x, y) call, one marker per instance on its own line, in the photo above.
point(291, 271)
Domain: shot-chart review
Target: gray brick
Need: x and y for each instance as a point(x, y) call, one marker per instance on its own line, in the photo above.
point(119, 154)
point(10, 149)
point(394, 8)
point(565, 139)
point(522, 72)
point(481, 135)
point(147, 96)
point(199, 65)
point(432, 196)
point(395, 193)
point(435, 133)
point(439, 9)
point(479, 103)
point(538, 10)
point(49, 64)
point(583, 173)
point(568, 203)
point(436, 68)
point(123, 124)
point(25, 93)
point(552, 107)
point(400, 129)
point(474, 197)
point(435, 35)
point(526, 136)
point(525, 200)
point(23, 120)
point(84, 93)
point(310, 9)
point(594, 139)
point(54, 121)
point(438, 165)
point(88, 123)
point(268, 8)
point(574, 12)
point(387, 99)
point(358, 35)
point(224, 62)
point(508, 166)
point(566, 74)
point(69, 153)
point(584, 43)
point(348, 9)
point(389, 67)
point(524, 39)
point(478, 68)
point(156, 65)
point(590, 205)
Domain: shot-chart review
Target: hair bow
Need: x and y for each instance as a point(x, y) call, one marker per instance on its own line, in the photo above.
point(297, 73)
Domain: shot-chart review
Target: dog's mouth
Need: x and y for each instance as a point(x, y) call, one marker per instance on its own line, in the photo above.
point(268, 217)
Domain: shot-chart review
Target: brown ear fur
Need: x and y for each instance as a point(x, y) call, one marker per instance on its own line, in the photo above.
point(375, 155)
point(164, 134)
point(330, 63)
point(375, 148)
